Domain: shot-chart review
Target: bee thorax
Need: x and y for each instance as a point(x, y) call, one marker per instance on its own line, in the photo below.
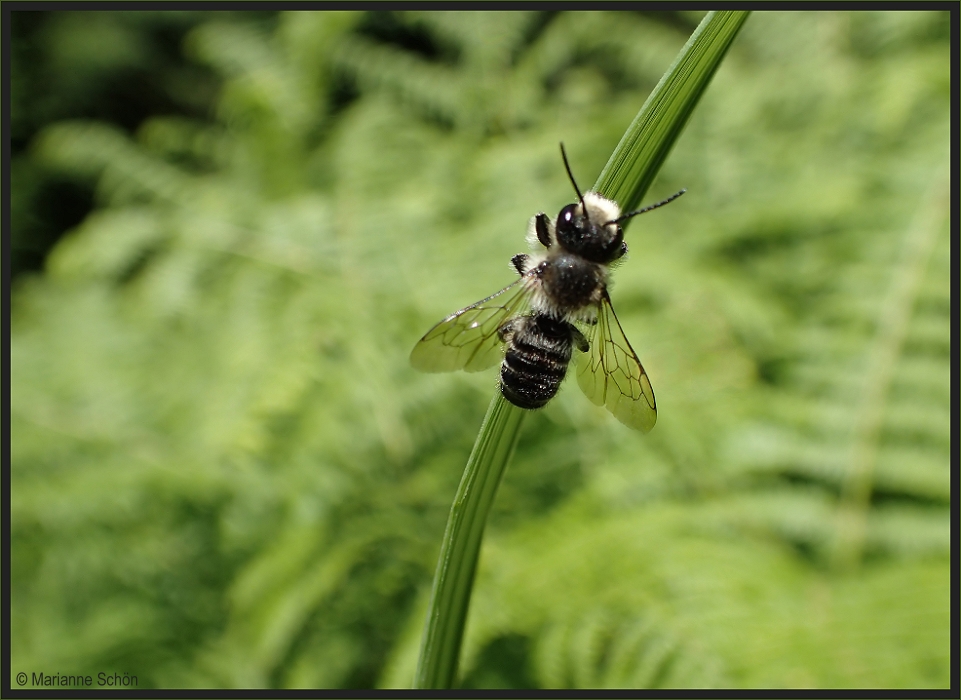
point(570, 282)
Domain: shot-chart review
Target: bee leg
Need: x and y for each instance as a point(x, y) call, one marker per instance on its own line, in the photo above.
point(580, 342)
point(506, 329)
point(520, 262)
point(619, 244)
point(543, 230)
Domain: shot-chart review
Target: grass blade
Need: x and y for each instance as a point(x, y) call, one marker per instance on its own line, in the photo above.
point(626, 177)
point(450, 597)
point(637, 159)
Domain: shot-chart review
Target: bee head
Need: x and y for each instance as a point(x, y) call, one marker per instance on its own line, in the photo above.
point(589, 228)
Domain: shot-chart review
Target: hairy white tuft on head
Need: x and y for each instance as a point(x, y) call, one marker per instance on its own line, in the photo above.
point(600, 209)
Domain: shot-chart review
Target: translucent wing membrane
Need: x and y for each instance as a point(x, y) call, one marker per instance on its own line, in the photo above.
point(468, 339)
point(610, 374)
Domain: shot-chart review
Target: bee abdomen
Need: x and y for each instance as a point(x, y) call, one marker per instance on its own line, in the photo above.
point(536, 360)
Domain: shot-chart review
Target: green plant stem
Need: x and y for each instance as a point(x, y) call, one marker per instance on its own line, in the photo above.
point(626, 177)
point(450, 596)
point(879, 376)
point(645, 145)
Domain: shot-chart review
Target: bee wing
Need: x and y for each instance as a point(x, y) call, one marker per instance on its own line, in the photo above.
point(468, 339)
point(610, 374)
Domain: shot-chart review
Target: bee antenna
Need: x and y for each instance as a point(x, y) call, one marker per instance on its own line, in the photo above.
point(571, 176)
point(647, 208)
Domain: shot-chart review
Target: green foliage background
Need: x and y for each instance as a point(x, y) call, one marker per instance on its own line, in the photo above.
point(224, 473)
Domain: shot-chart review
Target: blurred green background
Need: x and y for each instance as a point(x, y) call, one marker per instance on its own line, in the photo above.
point(229, 229)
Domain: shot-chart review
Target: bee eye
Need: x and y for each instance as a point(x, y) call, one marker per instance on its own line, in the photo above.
point(565, 220)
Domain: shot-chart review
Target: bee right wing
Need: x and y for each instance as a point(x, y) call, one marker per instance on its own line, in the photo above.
point(610, 374)
point(469, 338)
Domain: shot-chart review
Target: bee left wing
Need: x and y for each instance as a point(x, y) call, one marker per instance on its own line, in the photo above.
point(469, 338)
point(610, 374)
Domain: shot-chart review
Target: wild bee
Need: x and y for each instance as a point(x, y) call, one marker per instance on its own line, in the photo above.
point(559, 304)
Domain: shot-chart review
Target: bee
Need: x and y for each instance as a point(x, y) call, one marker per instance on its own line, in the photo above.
point(559, 304)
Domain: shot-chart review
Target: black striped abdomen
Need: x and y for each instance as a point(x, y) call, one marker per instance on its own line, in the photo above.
point(538, 352)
